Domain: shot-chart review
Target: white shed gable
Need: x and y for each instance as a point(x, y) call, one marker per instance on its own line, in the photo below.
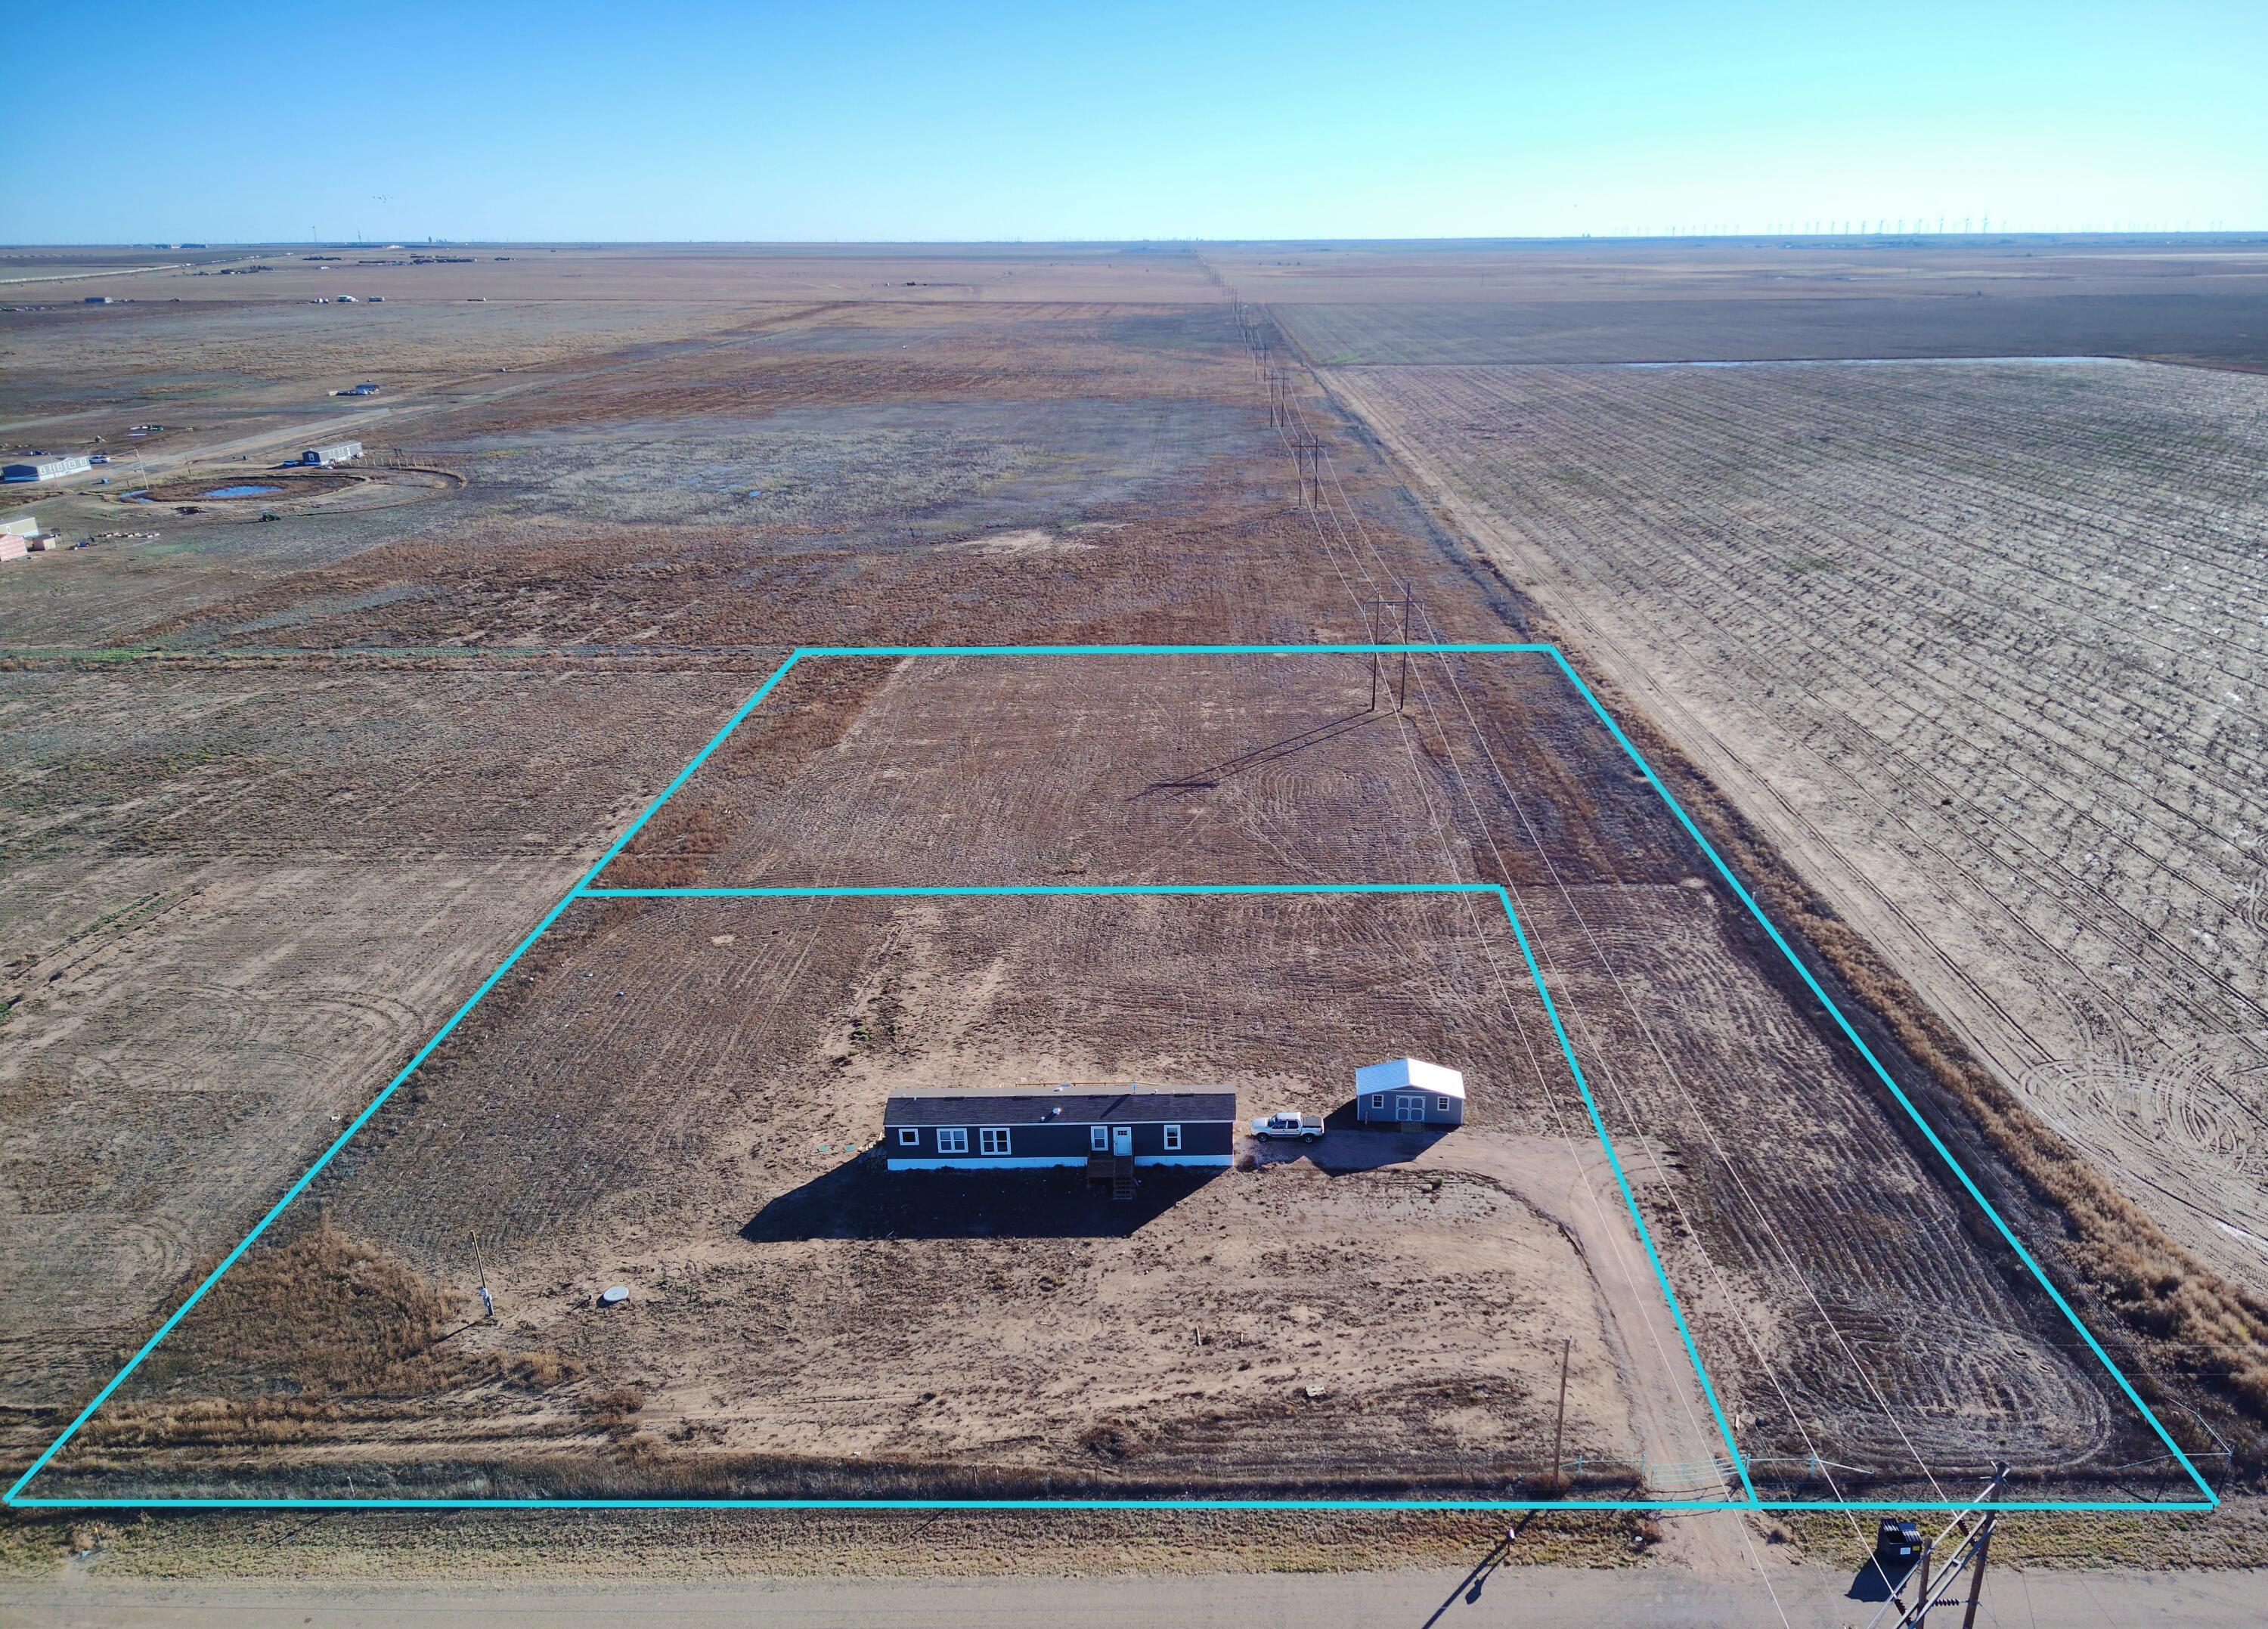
point(1410, 1074)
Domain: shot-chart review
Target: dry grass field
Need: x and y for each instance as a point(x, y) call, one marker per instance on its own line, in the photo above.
point(281, 792)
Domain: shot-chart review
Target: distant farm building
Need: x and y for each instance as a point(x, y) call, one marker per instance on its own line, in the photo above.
point(19, 537)
point(1409, 1091)
point(1066, 1126)
point(45, 469)
point(338, 452)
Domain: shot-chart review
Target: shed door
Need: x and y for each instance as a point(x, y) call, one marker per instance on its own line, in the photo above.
point(1121, 1139)
point(1409, 1105)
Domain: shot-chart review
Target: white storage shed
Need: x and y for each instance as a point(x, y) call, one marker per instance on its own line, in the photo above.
point(1409, 1091)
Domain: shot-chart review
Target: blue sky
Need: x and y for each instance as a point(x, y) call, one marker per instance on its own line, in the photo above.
point(875, 119)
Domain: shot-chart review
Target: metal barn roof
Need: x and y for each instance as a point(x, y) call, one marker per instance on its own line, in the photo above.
point(1409, 1074)
point(1130, 1108)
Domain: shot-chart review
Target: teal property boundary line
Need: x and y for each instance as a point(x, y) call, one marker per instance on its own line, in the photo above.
point(588, 888)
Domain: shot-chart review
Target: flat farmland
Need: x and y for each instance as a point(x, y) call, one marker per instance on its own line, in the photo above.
point(684, 1092)
point(800, 1311)
point(576, 281)
point(234, 903)
point(1349, 305)
point(282, 793)
point(1157, 769)
point(1982, 648)
point(1635, 328)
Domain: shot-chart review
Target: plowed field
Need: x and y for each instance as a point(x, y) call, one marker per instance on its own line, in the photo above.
point(284, 792)
point(1983, 647)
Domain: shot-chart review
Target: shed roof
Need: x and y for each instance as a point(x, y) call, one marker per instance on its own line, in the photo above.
point(1128, 1108)
point(1409, 1074)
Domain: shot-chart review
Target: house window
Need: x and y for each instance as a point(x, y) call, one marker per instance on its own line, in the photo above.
point(952, 1140)
point(1173, 1137)
point(1442, 1104)
point(992, 1140)
point(1098, 1137)
point(1378, 1101)
point(909, 1137)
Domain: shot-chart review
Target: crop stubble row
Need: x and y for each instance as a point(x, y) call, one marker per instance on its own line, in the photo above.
point(2004, 626)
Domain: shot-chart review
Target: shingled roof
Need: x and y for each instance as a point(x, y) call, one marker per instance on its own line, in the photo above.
point(1179, 1105)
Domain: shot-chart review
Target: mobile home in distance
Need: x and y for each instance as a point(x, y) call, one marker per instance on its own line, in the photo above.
point(1409, 1092)
point(1064, 1125)
point(338, 452)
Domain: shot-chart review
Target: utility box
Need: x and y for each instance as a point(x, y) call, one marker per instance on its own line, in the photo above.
point(1897, 1546)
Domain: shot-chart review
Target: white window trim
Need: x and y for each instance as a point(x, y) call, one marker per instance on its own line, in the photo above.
point(952, 1140)
point(1098, 1139)
point(1441, 1105)
point(1378, 1100)
point(909, 1137)
point(988, 1135)
point(1173, 1139)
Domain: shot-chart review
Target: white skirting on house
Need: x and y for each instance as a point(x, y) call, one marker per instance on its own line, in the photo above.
point(987, 1162)
point(1016, 1162)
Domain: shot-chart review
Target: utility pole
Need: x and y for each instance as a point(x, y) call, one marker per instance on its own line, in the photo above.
point(1373, 616)
point(1377, 615)
point(1970, 1552)
point(1559, 1424)
point(488, 1301)
point(1371, 627)
point(1401, 686)
point(1976, 1579)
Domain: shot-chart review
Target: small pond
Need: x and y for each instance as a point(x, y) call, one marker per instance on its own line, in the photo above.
point(240, 491)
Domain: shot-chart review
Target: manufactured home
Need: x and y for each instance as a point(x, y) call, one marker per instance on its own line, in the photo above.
point(338, 453)
point(1029, 1128)
point(1409, 1092)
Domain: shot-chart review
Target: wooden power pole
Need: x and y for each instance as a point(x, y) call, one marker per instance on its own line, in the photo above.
point(1971, 1551)
point(1559, 1423)
point(1976, 1578)
point(488, 1301)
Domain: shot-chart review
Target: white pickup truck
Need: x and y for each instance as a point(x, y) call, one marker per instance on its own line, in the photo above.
point(1306, 1127)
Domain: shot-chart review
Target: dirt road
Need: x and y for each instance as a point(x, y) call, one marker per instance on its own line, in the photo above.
point(1529, 1596)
